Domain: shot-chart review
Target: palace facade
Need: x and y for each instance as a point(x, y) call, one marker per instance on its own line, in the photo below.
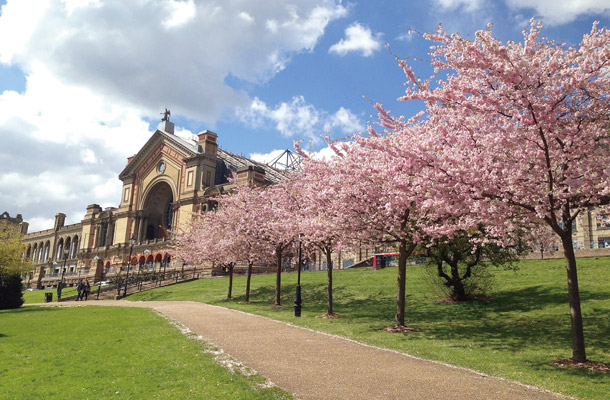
point(163, 184)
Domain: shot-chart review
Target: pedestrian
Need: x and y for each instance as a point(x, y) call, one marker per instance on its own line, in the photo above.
point(87, 289)
point(79, 290)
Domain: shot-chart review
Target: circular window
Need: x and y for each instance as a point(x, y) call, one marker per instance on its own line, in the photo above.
point(161, 167)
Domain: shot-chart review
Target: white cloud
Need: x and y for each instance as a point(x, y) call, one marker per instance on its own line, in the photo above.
point(469, 5)
point(300, 119)
point(120, 50)
point(553, 12)
point(557, 12)
point(181, 12)
point(357, 38)
point(325, 153)
point(266, 158)
point(345, 121)
point(94, 70)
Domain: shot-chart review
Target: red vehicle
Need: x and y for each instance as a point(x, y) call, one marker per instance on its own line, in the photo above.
point(383, 260)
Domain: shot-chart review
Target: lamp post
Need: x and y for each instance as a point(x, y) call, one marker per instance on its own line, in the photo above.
point(146, 254)
point(165, 265)
point(297, 297)
point(60, 285)
point(131, 243)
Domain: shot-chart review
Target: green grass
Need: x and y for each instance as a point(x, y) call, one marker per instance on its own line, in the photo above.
point(110, 352)
point(516, 335)
point(37, 296)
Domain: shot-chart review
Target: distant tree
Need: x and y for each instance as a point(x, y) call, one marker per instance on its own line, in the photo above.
point(316, 219)
point(521, 128)
point(277, 209)
point(12, 266)
point(240, 213)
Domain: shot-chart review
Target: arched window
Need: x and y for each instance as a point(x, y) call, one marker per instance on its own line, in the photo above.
point(59, 249)
point(74, 248)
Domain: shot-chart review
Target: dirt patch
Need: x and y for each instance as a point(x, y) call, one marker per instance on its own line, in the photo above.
point(596, 366)
point(333, 315)
point(402, 329)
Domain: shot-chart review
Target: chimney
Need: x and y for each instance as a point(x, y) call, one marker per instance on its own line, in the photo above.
point(250, 174)
point(207, 142)
point(60, 219)
point(93, 209)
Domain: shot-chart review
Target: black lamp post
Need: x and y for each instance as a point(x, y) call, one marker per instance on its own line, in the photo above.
point(131, 243)
point(60, 286)
point(297, 297)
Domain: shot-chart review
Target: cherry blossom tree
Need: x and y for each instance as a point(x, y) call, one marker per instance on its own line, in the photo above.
point(208, 239)
point(521, 128)
point(277, 209)
point(383, 197)
point(316, 218)
point(244, 220)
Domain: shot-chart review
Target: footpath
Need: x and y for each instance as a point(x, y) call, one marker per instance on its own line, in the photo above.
point(315, 365)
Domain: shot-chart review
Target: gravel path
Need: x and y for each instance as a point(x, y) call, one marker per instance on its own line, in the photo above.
point(315, 365)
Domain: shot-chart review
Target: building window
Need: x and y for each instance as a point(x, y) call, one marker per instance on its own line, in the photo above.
point(602, 221)
point(104, 234)
point(189, 179)
point(59, 247)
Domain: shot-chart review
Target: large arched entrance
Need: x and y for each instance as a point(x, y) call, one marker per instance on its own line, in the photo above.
point(158, 209)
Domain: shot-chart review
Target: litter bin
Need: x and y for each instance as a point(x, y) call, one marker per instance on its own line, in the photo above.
point(48, 297)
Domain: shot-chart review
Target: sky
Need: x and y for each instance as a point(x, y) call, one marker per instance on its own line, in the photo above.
point(83, 83)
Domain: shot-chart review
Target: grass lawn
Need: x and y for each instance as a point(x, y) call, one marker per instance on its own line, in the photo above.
point(111, 352)
point(516, 335)
point(37, 296)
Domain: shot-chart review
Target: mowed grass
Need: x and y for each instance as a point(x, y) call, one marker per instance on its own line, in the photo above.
point(111, 352)
point(515, 335)
point(37, 296)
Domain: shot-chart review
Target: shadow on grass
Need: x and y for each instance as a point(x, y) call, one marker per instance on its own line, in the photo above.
point(30, 309)
point(511, 321)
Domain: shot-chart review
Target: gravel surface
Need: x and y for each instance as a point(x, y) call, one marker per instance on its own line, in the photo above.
point(315, 365)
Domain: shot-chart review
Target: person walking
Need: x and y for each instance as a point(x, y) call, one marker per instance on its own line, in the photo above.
point(87, 289)
point(79, 290)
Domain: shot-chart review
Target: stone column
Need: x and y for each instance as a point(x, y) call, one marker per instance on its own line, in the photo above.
point(136, 229)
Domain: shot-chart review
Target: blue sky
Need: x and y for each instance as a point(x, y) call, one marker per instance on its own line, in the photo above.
point(83, 82)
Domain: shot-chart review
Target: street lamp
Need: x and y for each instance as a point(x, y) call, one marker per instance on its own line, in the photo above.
point(131, 243)
point(61, 281)
point(297, 297)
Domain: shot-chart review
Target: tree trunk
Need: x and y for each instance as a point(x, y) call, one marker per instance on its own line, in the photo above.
point(278, 279)
point(229, 295)
point(458, 293)
point(249, 273)
point(402, 279)
point(329, 263)
point(578, 337)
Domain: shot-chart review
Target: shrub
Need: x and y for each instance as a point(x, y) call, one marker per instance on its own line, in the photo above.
point(11, 291)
